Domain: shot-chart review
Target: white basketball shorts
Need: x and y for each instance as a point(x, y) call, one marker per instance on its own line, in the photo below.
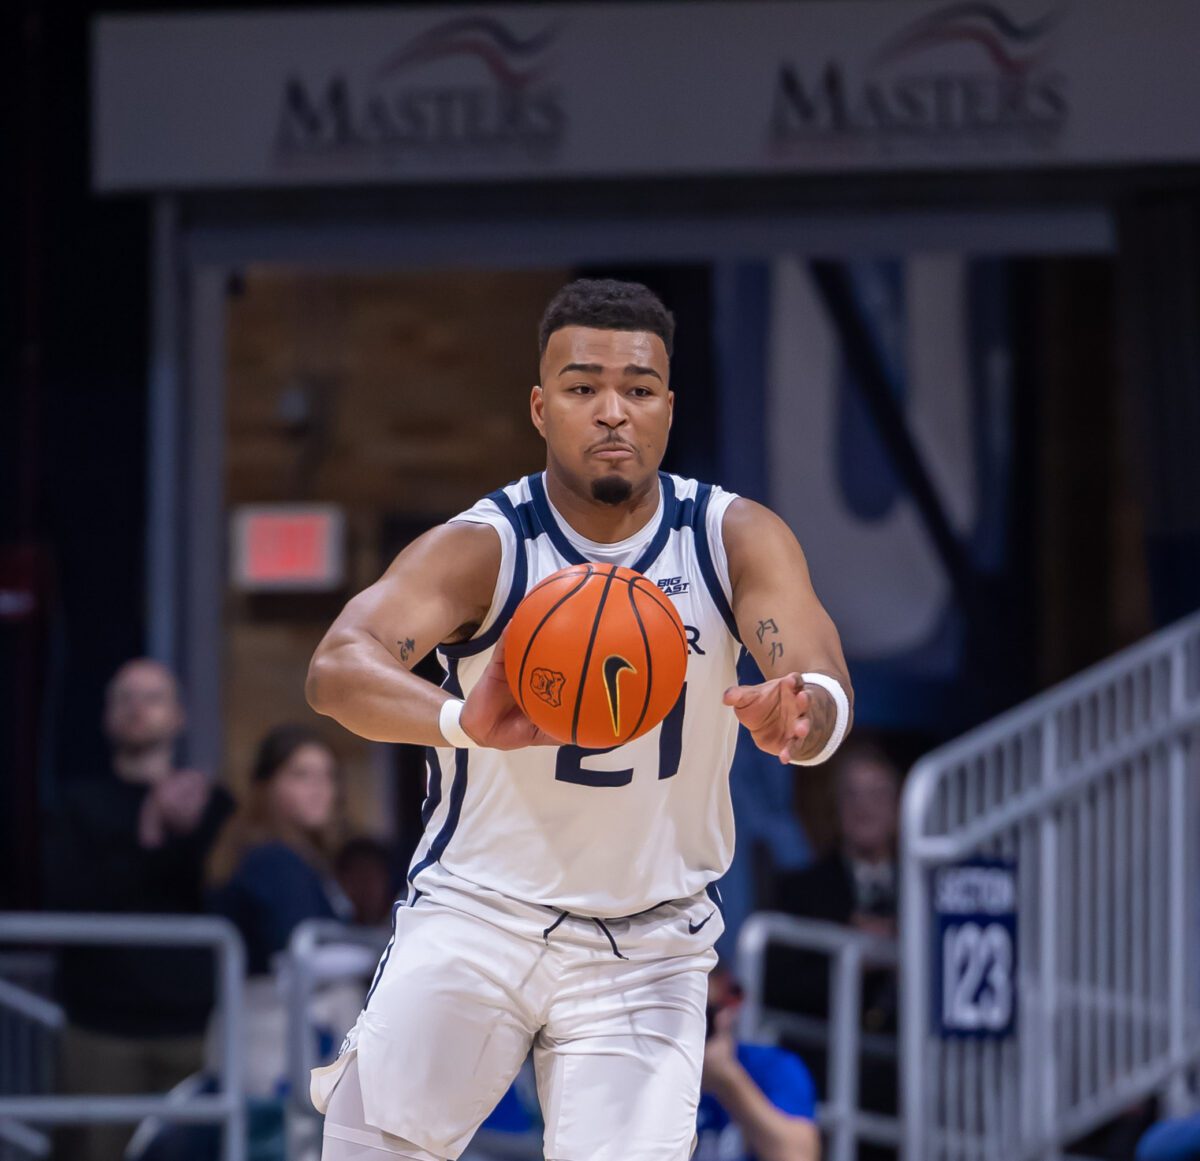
point(472, 980)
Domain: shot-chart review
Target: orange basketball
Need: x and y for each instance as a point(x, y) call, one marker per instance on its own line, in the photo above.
point(596, 655)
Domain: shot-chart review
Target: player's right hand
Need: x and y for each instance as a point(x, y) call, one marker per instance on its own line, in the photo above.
point(784, 716)
point(491, 715)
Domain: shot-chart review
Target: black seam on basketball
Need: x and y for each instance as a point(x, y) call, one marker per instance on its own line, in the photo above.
point(587, 657)
point(649, 661)
point(554, 578)
point(533, 636)
point(655, 594)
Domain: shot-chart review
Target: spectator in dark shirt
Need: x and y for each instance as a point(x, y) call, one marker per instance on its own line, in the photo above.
point(272, 869)
point(855, 884)
point(133, 840)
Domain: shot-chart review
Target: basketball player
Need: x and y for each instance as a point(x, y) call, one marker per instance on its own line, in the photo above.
point(559, 897)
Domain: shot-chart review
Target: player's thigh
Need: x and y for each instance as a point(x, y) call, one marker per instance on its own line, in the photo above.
point(348, 1137)
point(446, 1027)
point(619, 1068)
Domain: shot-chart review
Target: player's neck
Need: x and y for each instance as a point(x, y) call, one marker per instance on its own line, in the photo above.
point(144, 767)
point(603, 523)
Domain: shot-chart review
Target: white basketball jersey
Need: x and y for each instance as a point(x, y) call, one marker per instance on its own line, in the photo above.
point(603, 833)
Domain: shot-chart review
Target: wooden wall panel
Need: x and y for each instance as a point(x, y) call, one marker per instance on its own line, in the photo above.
point(399, 396)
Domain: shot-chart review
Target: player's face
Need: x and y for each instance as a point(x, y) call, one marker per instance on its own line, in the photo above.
point(304, 789)
point(604, 409)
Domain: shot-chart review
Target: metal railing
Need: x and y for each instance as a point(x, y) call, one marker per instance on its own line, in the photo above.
point(850, 953)
point(1089, 795)
point(19, 1112)
point(304, 971)
point(29, 1027)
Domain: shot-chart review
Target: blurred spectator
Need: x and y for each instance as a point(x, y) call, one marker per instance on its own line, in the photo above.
point(1176, 1140)
point(366, 877)
point(758, 1101)
point(133, 839)
point(272, 866)
point(271, 869)
point(770, 840)
point(854, 885)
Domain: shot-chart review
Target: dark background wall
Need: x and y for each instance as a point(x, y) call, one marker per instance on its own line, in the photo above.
point(74, 305)
point(72, 311)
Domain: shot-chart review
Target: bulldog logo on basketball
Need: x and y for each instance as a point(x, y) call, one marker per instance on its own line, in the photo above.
point(548, 685)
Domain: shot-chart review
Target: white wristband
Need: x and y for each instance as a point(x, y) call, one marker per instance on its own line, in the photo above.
point(452, 730)
point(842, 721)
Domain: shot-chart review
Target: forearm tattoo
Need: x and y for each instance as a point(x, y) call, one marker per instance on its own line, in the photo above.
point(407, 645)
point(768, 634)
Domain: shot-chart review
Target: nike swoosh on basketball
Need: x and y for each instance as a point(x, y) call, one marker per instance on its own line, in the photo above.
point(694, 927)
point(614, 666)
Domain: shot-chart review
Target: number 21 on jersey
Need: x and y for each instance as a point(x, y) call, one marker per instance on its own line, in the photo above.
point(570, 768)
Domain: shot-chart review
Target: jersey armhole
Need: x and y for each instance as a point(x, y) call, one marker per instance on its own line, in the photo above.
point(711, 505)
point(718, 505)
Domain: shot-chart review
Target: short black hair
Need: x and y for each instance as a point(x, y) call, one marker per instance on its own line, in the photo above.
point(607, 305)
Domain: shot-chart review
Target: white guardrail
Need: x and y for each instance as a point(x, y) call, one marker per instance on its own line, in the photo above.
point(850, 953)
point(1049, 871)
point(20, 1112)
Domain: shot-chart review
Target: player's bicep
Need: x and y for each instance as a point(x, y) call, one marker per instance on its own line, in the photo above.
point(779, 616)
point(438, 589)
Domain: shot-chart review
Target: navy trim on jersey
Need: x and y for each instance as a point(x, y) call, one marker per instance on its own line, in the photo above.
point(458, 791)
point(685, 510)
point(548, 525)
point(670, 519)
point(387, 952)
point(666, 524)
point(452, 684)
point(516, 590)
point(708, 570)
point(531, 526)
point(433, 797)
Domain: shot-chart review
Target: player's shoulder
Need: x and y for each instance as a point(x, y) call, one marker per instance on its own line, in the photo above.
point(456, 561)
point(458, 542)
point(507, 509)
point(505, 498)
point(749, 524)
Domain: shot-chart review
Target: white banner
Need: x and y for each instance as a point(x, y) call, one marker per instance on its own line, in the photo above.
point(544, 91)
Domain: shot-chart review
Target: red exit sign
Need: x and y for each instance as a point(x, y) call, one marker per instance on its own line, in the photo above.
point(288, 548)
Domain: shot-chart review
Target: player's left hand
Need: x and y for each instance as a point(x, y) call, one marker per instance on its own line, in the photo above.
point(785, 717)
point(491, 715)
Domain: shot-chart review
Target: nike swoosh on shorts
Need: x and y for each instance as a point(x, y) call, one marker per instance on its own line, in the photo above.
point(694, 927)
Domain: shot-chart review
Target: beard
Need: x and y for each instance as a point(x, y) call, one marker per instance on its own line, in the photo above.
point(612, 490)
